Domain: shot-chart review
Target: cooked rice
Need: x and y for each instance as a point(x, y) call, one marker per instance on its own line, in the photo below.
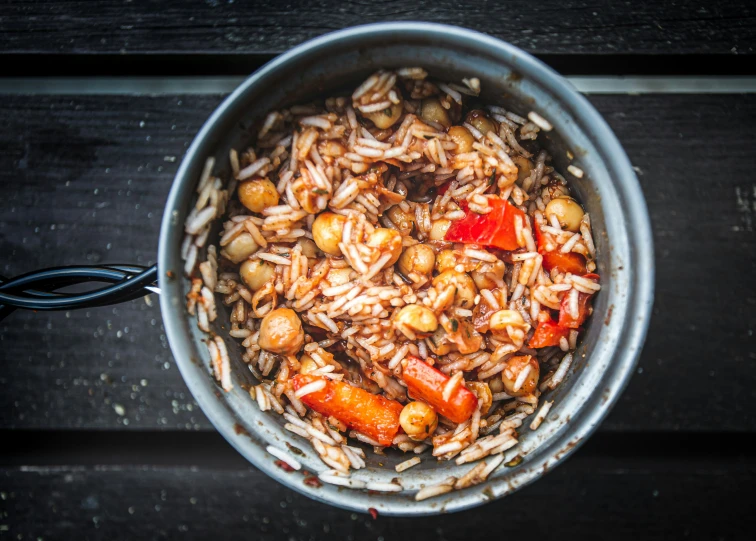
point(539, 121)
point(541, 415)
point(435, 490)
point(576, 171)
point(407, 464)
point(286, 457)
point(383, 487)
point(310, 388)
point(334, 156)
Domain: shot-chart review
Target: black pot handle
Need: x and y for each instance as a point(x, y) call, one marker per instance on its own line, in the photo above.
point(37, 290)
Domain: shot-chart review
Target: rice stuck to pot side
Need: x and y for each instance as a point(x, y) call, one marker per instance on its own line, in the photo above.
point(402, 270)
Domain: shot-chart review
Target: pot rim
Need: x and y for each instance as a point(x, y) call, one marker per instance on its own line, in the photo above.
point(626, 350)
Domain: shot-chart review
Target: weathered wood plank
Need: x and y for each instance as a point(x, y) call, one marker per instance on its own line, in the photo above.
point(267, 26)
point(82, 180)
point(583, 499)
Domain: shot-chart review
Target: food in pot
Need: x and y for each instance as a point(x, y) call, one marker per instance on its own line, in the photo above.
point(403, 267)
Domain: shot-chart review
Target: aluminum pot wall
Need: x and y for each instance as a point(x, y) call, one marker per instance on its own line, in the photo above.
point(609, 191)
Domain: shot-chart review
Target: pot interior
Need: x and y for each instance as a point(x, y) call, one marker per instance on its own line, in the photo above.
point(510, 79)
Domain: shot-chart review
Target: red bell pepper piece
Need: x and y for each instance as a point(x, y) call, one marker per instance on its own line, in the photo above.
point(497, 228)
point(373, 415)
point(443, 188)
point(571, 262)
point(427, 384)
point(548, 333)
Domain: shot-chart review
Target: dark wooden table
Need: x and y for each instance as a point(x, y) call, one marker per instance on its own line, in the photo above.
point(100, 436)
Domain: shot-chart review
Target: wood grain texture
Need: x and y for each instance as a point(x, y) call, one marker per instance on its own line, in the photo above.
point(268, 26)
point(82, 180)
point(585, 498)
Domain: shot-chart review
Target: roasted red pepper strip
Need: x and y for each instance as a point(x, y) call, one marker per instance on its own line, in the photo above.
point(497, 228)
point(548, 333)
point(427, 384)
point(572, 262)
point(565, 318)
point(373, 415)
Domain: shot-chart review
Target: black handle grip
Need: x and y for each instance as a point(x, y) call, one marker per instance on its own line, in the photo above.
point(38, 290)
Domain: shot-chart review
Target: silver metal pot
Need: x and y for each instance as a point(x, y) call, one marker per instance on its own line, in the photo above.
point(609, 190)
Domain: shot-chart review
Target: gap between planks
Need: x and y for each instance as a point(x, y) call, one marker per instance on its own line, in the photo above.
point(33, 450)
point(225, 85)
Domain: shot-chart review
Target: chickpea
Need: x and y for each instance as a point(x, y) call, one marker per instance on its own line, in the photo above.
point(256, 273)
point(417, 318)
point(446, 260)
point(337, 277)
point(418, 420)
point(482, 393)
point(503, 318)
point(240, 248)
point(495, 384)
point(431, 110)
point(462, 138)
point(281, 332)
point(326, 232)
point(567, 211)
point(309, 248)
point(307, 364)
point(514, 366)
point(418, 259)
point(483, 281)
point(466, 290)
point(385, 118)
point(386, 239)
point(405, 221)
point(258, 194)
point(478, 120)
point(524, 167)
point(439, 229)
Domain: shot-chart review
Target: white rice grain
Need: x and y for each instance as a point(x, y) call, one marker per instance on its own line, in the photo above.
point(284, 456)
point(453, 94)
point(225, 365)
point(539, 121)
point(561, 372)
point(451, 447)
point(521, 377)
point(339, 480)
point(481, 255)
point(570, 244)
point(576, 171)
point(383, 487)
point(277, 259)
point(252, 169)
point(451, 386)
point(398, 357)
point(407, 464)
point(200, 220)
point(310, 388)
point(328, 322)
point(435, 490)
point(541, 415)
point(354, 459)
